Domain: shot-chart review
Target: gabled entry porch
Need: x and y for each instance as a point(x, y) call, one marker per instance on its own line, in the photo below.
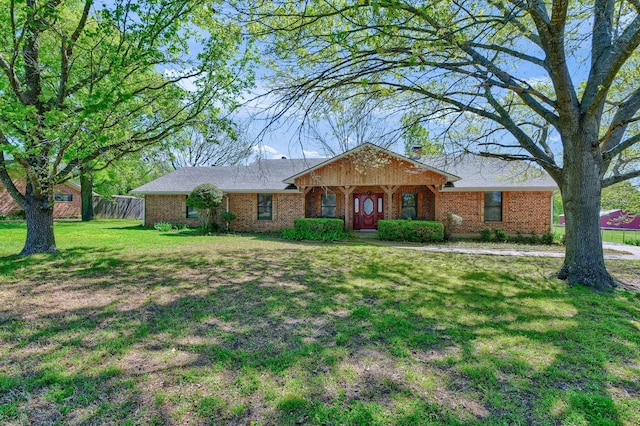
point(367, 184)
point(361, 207)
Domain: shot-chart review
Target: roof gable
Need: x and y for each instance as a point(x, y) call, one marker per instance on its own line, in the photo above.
point(370, 152)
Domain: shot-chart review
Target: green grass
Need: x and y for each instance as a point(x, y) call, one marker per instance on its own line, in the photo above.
point(610, 235)
point(132, 326)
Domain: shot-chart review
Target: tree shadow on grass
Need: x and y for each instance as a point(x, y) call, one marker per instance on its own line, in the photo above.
point(363, 336)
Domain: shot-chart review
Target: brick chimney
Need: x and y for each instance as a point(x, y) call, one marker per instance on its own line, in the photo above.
point(416, 151)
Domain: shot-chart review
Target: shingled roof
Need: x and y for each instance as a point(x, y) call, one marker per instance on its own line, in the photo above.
point(475, 174)
point(491, 174)
point(259, 176)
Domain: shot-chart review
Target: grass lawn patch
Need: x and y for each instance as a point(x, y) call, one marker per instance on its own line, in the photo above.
point(128, 325)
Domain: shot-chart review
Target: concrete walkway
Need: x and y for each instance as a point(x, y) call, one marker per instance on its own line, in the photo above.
point(627, 252)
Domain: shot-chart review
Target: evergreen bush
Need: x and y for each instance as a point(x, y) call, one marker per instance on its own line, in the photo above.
point(486, 235)
point(205, 198)
point(501, 235)
point(316, 229)
point(419, 231)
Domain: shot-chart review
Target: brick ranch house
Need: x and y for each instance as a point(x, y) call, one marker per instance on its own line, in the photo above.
point(362, 186)
point(68, 203)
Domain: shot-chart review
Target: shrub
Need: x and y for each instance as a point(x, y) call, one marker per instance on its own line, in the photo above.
point(547, 238)
point(520, 239)
point(501, 235)
point(419, 231)
point(163, 226)
point(486, 235)
point(289, 234)
point(19, 215)
point(205, 198)
point(228, 217)
point(534, 238)
point(315, 229)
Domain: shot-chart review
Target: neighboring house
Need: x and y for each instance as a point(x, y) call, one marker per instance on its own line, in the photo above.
point(362, 186)
point(615, 219)
point(68, 203)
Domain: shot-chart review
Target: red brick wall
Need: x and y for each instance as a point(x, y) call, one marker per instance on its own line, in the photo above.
point(426, 201)
point(167, 208)
point(173, 209)
point(525, 212)
point(64, 209)
point(313, 201)
point(7, 204)
point(61, 209)
point(286, 207)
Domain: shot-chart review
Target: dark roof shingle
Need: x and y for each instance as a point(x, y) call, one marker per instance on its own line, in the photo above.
point(484, 173)
point(476, 173)
point(261, 175)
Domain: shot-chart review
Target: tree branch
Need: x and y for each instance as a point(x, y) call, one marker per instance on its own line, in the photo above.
point(14, 82)
point(606, 66)
point(612, 180)
point(66, 51)
point(4, 175)
point(622, 118)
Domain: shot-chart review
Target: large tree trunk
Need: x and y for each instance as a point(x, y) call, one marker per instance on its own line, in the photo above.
point(86, 194)
point(39, 215)
point(581, 192)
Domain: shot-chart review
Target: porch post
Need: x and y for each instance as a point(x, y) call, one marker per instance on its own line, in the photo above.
point(389, 191)
point(347, 191)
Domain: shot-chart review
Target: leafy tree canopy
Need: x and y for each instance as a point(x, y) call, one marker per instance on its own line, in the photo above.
point(623, 196)
point(84, 84)
point(205, 196)
point(553, 83)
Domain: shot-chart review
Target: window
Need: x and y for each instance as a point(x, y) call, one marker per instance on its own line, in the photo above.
point(63, 197)
point(367, 206)
point(328, 205)
point(192, 213)
point(493, 206)
point(265, 206)
point(409, 206)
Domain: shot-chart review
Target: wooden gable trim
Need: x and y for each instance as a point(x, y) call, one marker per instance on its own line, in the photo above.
point(417, 164)
point(396, 172)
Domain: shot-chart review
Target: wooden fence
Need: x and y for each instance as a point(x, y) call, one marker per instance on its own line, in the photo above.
point(120, 207)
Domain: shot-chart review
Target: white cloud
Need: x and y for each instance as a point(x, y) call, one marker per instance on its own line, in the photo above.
point(312, 154)
point(266, 151)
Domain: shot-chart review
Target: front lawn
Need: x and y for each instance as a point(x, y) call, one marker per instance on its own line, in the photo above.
point(131, 326)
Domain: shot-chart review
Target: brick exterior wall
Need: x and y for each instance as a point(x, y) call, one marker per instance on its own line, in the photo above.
point(285, 208)
point(167, 208)
point(426, 201)
point(524, 212)
point(173, 209)
point(61, 209)
point(67, 209)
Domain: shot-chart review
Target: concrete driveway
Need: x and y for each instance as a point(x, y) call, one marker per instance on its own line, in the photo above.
point(626, 252)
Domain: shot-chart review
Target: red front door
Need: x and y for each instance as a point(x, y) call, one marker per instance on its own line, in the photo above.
point(367, 210)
